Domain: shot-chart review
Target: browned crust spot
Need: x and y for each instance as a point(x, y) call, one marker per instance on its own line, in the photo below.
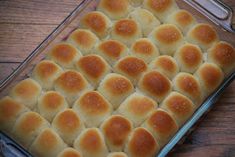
point(125, 27)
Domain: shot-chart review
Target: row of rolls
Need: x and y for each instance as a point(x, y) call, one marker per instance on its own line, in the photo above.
point(121, 85)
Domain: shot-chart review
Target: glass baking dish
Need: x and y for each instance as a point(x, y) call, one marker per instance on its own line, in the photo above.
point(221, 17)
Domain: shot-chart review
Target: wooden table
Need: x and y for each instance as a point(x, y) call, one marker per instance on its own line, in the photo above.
point(25, 23)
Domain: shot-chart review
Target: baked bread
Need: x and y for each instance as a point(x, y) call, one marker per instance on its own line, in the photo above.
point(69, 152)
point(117, 154)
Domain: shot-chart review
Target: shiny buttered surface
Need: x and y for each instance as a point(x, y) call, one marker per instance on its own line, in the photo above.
point(121, 85)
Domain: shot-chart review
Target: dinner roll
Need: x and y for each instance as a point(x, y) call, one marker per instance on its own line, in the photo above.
point(116, 130)
point(223, 54)
point(71, 84)
point(155, 84)
point(131, 67)
point(160, 8)
point(161, 125)
point(182, 19)
point(166, 65)
point(115, 9)
point(68, 125)
point(189, 57)
point(141, 143)
point(84, 40)
point(111, 50)
point(145, 49)
point(93, 67)
point(126, 31)
point(167, 37)
point(210, 76)
point(179, 106)
point(203, 35)
point(27, 127)
point(137, 108)
point(189, 86)
point(115, 88)
point(93, 108)
point(10, 110)
point(45, 73)
point(69, 152)
point(97, 22)
point(26, 92)
point(146, 20)
point(117, 154)
point(91, 143)
point(47, 144)
point(64, 54)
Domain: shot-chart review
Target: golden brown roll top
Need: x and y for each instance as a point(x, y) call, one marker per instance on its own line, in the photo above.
point(145, 49)
point(93, 108)
point(165, 64)
point(116, 130)
point(137, 108)
point(203, 35)
point(69, 152)
point(146, 20)
point(26, 92)
point(167, 37)
point(47, 144)
point(50, 103)
point(189, 57)
point(68, 125)
point(84, 40)
point(93, 67)
point(91, 143)
point(179, 106)
point(126, 31)
point(155, 84)
point(141, 143)
point(97, 22)
point(115, 88)
point(223, 54)
point(64, 54)
point(117, 154)
point(161, 125)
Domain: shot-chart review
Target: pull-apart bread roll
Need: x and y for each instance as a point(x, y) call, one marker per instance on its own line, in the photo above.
point(116, 130)
point(145, 49)
point(91, 143)
point(26, 92)
point(189, 57)
point(167, 37)
point(27, 128)
point(126, 31)
point(210, 76)
point(115, 9)
point(203, 35)
point(141, 143)
point(179, 106)
point(68, 125)
point(167, 65)
point(182, 19)
point(137, 108)
point(50, 103)
point(71, 84)
point(69, 152)
point(223, 54)
point(115, 88)
point(84, 40)
point(97, 22)
point(46, 72)
point(111, 50)
point(64, 54)
point(93, 108)
point(161, 8)
point(10, 110)
point(146, 20)
point(155, 84)
point(47, 144)
point(93, 67)
point(161, 125)
point(117, 154)
point(131, 67)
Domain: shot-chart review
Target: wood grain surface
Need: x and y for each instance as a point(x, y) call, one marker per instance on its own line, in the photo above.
point(25, 23)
